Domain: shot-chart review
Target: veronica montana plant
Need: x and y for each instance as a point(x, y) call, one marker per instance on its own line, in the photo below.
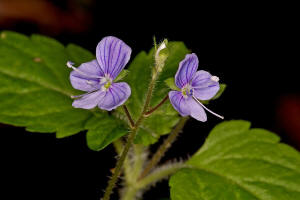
point(235, 162)
point(96, 77)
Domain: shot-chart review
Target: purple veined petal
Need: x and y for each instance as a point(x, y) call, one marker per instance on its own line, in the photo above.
point(81, 81)
point(197, 112)
point(89, 101)
point(112, 55)
point(179, 103)
point(203, 86)
point(115, 96)
point(186, 70)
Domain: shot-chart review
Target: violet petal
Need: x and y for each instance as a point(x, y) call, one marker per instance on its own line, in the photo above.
point(204, 87)
point(89, 101)
point(197, 112)
point(115, 96)
point(112, 55)
point(179, 103)
point(186, 70)
point(82, 81)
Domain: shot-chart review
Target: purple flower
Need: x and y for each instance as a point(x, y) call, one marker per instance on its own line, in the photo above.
point(193, 85)
point(96, 77)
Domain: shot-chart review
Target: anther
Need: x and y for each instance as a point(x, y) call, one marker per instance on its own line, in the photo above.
point(214, 78)
point(70, 65)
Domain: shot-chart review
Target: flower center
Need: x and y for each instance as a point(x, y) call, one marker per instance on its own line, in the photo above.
point(107, 85)
point(187, 91)
point(106, 82)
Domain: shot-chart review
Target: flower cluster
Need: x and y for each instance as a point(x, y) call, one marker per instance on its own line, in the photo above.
point(97, 77)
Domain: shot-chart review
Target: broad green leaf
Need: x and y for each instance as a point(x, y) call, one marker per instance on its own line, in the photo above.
point(102, 131)
point(35, 89)
point(162, 120)
point(238, 163)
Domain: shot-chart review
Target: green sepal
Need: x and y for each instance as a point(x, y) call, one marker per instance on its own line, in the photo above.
point(122, 75)
point(219, 93)
point(170, 82)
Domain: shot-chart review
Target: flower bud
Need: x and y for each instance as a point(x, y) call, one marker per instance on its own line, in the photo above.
point(161, 55)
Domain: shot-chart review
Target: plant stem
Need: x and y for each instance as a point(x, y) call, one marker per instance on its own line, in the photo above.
point(116, 174)
point(119, 146)
point(164, 147)
point(134, 129)
point(129, 193)
point(157, 106)
point(138, 162)
point(157, 175)
point(128, 116)
point(149, 94)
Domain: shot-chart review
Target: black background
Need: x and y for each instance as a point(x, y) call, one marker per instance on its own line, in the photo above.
point(252, 48)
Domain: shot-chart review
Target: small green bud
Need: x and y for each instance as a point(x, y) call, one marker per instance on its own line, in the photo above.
point(161, 55)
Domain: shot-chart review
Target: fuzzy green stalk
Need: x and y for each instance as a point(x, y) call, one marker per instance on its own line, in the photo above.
point(164, 147)
point(157, 106)
point(120, 162)
point(119, 146)
point(130, 139)
point(160, 173)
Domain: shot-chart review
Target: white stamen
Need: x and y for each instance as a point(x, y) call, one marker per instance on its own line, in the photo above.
point(207, 108)
point(70, 65)
point(214, 78)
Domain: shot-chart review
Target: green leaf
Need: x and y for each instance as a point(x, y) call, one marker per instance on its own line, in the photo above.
point(102, 131)
point(239, 163)
point(163, 119)
point(170, 82)
point(35, 89)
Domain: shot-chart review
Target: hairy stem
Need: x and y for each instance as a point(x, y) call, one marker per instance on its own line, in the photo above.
point(116, 174)
point(139, 159)
point(157, 106)
point(134, 129)
point(149, 94)
point(131, 122)
point(119, 146)
point(164, 147)
point(129, 193)
point(160, 173)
